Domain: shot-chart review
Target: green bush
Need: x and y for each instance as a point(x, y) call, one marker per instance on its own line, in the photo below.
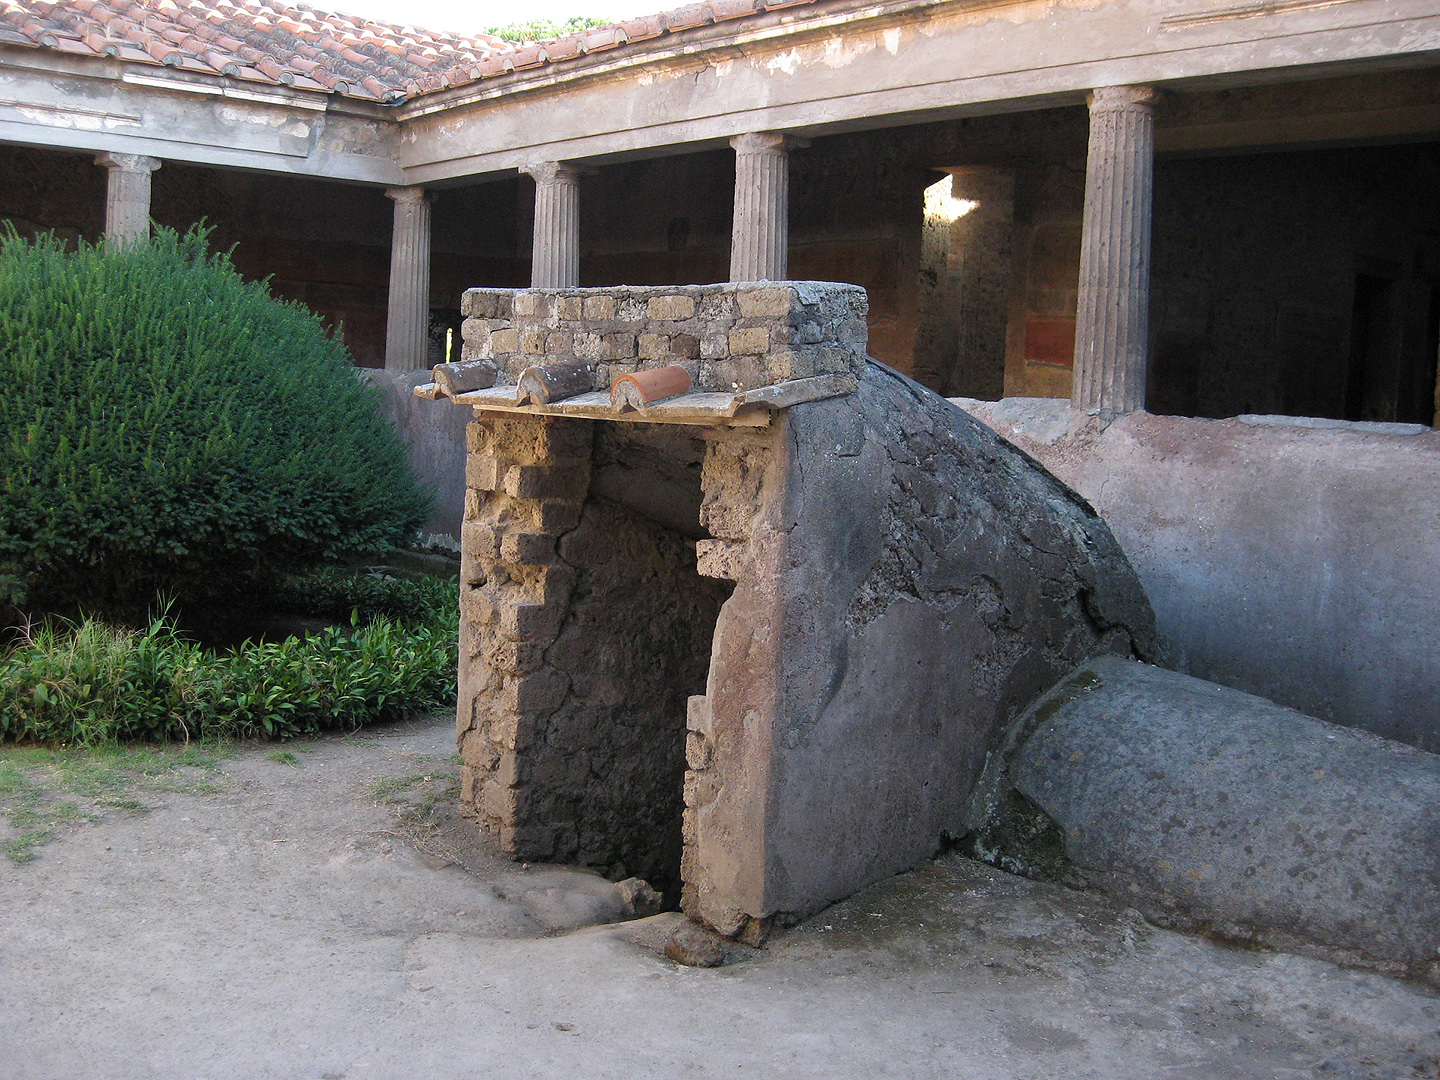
point(336, 593)
point(168, 428)
point(91, 684)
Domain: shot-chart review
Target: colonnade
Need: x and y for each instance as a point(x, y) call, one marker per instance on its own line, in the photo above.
point(1112, 316)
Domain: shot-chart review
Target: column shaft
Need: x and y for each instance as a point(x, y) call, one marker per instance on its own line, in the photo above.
point(1112, 320)
point(555, 252)
point(760, 236)
point(407, 317)
point(127, 196)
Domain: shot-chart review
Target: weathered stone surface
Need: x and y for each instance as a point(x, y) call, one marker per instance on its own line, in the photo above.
point(1213, 809)
point(641, 901)
point(906, 583)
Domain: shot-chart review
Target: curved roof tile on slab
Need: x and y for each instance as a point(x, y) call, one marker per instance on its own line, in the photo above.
point(294, 45)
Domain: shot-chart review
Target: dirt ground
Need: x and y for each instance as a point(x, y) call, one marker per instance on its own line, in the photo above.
point(316, 911)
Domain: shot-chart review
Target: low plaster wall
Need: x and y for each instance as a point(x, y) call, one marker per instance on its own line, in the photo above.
point(434, 445)
point(1294, 562)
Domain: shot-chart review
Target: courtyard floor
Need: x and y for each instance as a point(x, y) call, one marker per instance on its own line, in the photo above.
point(317, 911)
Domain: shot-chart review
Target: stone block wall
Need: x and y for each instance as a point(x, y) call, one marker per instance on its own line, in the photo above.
point(585, 627)
point(526, 479)
point(728, 337)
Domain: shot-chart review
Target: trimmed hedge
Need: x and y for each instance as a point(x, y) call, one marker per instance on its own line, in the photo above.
point(168, 428)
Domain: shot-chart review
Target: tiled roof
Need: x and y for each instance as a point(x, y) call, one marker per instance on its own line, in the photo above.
point(257, 40)
point(267, 41)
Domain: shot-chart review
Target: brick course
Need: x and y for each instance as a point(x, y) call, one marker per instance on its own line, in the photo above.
point(728, 337)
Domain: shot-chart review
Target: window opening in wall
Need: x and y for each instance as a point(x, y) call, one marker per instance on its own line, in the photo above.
point(942, 206)
point(964, 286)
point(444, 337)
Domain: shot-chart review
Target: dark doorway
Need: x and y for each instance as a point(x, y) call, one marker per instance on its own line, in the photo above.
point(1373, 349)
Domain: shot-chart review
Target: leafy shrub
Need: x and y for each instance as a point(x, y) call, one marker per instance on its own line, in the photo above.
point(169, 428)
point(336, 593)
point(90, 684)
point(546, 29)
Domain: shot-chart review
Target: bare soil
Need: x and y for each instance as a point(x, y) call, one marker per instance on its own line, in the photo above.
point(319, 911)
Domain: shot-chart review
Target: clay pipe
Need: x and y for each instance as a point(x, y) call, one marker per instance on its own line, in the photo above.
point(643, 388)
point(544, 383)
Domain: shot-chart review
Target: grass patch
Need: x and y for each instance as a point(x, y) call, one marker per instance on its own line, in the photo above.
point(414, 798)
point(21, 849)
point(45, 790)
point(386, 790)
point(284, 757)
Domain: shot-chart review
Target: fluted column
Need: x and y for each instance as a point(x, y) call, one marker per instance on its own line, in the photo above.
point(127, 196)
point(407, 316)
point(555, 252)
point(1112, 322)
point(760, 236)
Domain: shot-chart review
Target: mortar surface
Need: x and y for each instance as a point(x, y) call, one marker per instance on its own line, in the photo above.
point(293, 926)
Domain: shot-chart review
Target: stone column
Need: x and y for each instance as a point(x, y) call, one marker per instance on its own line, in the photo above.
point(407, 315)
point(127, 196)
point(1112, 320)
point(760, 237)
point(555, 252)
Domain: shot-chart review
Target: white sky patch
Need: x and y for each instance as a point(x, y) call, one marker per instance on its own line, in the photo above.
point(473, 16)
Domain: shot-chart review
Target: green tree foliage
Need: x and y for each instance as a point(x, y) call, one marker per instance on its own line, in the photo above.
point(545, 29)
point(168, 428)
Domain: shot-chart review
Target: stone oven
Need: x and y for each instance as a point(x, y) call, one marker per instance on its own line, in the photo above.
point(752, 641)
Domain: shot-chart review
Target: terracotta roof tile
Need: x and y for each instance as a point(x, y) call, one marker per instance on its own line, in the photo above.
point(293, 45)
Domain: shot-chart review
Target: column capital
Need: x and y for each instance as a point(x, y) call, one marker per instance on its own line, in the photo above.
point(130, 163)
point(405, 195)
point(767, 142)
point(1123, 99)
point(555, 172)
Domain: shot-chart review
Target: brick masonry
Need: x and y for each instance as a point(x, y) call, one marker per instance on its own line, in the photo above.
point(728, 337)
